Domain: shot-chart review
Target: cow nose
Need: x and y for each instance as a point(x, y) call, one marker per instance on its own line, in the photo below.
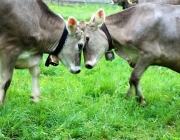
point(78, 71)
point(88, 66)
point(75, 71)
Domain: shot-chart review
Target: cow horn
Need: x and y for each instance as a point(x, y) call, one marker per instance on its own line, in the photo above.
point(130, 1)
point(52, 59)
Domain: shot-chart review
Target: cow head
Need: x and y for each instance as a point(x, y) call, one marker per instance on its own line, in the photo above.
point(96, 40)
point(70, 54)
point(126, 3)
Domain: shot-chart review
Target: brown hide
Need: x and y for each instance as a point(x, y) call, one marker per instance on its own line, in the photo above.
point(28, 29)
point(129, 3)
point(143, 35)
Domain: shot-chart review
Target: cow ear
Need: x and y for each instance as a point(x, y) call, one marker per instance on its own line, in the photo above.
point(99, 17)
point(72, 25)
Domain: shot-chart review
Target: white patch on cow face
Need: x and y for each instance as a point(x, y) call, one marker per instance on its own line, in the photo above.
point(96, 46)
point(96, 40)
point(70, 55)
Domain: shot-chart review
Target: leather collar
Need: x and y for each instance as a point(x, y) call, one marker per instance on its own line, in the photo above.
point(53, 58)
point(105, 30)
point(61, 42)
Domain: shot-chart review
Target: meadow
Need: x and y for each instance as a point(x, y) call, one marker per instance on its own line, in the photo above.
point(91, 105)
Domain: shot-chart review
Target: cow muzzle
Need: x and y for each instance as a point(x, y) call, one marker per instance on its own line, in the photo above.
point(75, 70)
point(90, 64)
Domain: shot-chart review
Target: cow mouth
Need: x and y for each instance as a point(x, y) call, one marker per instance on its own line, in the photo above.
point(90, 64)
point(75, 70)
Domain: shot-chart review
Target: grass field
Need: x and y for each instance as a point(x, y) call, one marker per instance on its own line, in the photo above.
point(91, 105)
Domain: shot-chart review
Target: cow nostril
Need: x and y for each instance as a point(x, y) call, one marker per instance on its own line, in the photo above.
point(88, 66)
point(80, 46)
point(77, 72)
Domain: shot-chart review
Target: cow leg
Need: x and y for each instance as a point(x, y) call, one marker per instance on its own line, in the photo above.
point(143, 62)
point(130, 91)
point(32, 63)
point(4, 85)
point(35, 72)
point(6, 72)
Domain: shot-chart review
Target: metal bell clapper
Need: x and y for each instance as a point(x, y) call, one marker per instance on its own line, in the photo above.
point(109, 56)
point(53, 60)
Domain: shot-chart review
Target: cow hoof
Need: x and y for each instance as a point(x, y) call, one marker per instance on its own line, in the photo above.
point(34, 99)
point(127, 96)
point(143, 103)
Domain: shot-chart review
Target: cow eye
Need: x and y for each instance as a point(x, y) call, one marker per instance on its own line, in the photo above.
point(80, 46)
point(87, 38)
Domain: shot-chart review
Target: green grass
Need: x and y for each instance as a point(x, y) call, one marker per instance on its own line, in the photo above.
point(91, 105)
point(84, 11)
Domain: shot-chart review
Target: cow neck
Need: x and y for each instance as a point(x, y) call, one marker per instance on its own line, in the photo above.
point(53, 57)
point(105, 30)
point(61, 42)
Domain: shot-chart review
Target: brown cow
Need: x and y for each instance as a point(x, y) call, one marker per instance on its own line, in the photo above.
point(125, 3)
point(128, 3)
point(145, 34)
point(28, 29)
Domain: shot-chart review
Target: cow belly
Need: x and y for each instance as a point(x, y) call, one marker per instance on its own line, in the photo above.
point(131, 56)
point(171, 64)
point(27, 60)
